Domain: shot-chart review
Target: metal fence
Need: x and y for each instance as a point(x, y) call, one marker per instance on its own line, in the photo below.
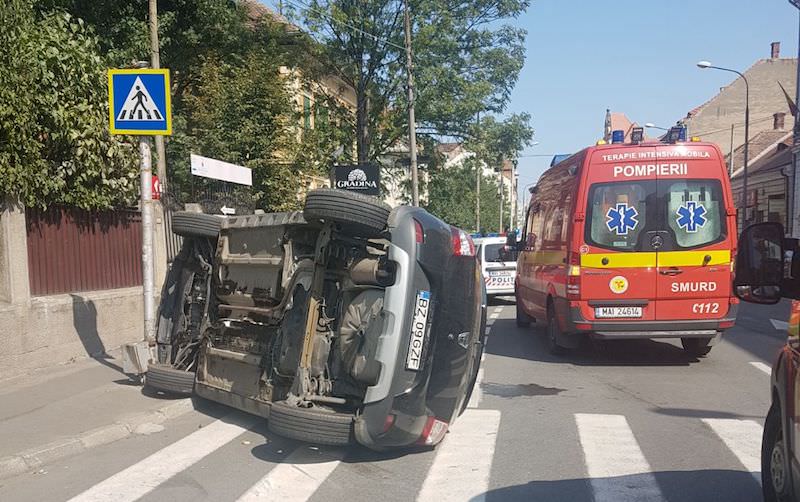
point(70, 250)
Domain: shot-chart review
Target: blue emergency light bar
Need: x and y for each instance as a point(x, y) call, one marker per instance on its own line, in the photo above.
point(618, 136)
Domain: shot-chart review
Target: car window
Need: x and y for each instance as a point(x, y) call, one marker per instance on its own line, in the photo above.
point(494, 253)
point(694, 211)
point(617, 214)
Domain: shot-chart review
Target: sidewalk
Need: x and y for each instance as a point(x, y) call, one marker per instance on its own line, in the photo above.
point(68, 409)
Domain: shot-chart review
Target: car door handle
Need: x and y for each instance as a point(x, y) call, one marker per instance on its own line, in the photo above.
point(671, 271)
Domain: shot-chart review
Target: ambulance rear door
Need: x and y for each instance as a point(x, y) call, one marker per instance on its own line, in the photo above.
point(694, 259)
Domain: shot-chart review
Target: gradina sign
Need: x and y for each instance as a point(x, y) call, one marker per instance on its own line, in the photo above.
point(363, 178)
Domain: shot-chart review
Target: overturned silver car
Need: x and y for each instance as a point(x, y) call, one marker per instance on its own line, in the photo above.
point(347, 322)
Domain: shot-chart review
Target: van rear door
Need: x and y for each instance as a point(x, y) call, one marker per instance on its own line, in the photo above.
point(617, 259)
point(694, 261)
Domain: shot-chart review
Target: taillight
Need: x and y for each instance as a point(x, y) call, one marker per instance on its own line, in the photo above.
point(419, 232)
point(574, 278)
point(462, 243)
point(433, 432)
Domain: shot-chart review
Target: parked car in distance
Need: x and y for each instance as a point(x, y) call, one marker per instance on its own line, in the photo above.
point(631, 240)
point(498, 263)
point(347, 322)
point(768, 269)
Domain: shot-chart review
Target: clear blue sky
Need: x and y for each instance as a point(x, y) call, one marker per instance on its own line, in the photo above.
point(636, 57)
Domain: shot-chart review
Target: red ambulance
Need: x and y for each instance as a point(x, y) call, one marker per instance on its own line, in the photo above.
point(631, 240)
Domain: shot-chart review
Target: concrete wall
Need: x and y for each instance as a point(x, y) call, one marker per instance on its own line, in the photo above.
point(40, 332)
point(712, 121)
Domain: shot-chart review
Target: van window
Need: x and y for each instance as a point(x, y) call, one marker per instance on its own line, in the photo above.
point(617, 213)
point(694, 211)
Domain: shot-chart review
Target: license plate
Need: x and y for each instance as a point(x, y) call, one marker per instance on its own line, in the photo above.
point(620, 312)
point(419, 327)
point(499, 273)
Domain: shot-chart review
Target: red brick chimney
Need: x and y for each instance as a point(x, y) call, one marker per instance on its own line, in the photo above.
point(778, 121)
point(775, 50)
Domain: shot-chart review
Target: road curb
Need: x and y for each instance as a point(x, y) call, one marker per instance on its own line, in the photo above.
point(33, 458)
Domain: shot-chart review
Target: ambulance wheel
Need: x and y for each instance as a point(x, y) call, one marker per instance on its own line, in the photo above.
point(523, 319)
point(553, 332)
point(697, 347)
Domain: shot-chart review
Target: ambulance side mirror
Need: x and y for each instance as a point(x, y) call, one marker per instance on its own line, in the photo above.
point(760, 264)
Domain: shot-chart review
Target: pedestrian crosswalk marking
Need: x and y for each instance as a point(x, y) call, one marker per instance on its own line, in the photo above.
point(615, 463)
point(743, 438)
point(463, 462)
point(143, 477)
point(139, 105)
point(297, 479)
point(763, 367)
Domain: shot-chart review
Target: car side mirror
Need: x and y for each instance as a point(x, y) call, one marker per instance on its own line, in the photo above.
point(760, 264)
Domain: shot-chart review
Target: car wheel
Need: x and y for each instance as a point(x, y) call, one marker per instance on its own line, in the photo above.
point(310, 425)
point(775, 471)
point(188, 224)
point(523, 319)
point(353, 211)
point(697, 347)
point(553, 332)
point(163, 377)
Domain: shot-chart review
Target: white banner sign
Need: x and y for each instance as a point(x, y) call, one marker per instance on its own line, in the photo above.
point(218, 170)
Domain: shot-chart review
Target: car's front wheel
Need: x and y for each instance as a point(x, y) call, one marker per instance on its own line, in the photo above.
point(776, 478)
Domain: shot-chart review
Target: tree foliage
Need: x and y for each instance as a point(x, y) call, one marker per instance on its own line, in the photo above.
point(466, 61)
point(54, 142)
point(453, 192)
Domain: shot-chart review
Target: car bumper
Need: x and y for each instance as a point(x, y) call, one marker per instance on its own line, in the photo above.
point(509, 291)
point(631, 329)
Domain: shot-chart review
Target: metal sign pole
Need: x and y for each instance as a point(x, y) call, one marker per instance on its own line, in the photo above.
point(148, 278)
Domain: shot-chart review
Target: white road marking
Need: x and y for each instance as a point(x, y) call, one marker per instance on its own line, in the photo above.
point(296, 479)
point(743, 438)
point(494, 315)
point(763, 367)
point(498, 310)
point(143, 477)
point(488, 330)
point(615, 463)
point(779, 325)
point(477, 391)
point(472, 437)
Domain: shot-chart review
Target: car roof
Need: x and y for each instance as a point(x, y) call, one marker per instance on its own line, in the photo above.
point(490, 240)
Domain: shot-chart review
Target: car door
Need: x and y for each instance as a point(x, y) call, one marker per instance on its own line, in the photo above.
point(694, 263)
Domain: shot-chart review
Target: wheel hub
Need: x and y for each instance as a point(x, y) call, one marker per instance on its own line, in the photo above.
point(777, 468)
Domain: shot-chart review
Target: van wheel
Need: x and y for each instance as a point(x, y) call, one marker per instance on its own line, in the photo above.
point(697, 347)
point(553, 332)
point(523, 319)
point(775, 473)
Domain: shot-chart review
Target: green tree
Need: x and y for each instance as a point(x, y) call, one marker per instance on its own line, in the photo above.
point(467, 61)
point(452, 197)
point(54, 142)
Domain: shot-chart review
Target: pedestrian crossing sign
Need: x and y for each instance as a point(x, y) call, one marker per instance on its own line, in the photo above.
point(139, 102)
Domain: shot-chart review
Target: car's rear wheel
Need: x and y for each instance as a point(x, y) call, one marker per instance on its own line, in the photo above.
point(553, 332)
point(165, 378)
point(697, 347)
point(355, 212)
point(310, 425)
point(775, 471)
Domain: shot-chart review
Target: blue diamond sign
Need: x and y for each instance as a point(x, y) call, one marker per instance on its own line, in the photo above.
point(691, 216)
point(139, 102)
point(622, 219)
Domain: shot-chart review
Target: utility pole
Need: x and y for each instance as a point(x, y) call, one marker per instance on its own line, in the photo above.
point(148, 280)
point(794, 222)
point(502, 193)
point(412, 126)
point(478, 173)
point(155, 62)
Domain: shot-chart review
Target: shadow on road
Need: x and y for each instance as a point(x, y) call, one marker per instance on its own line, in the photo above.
point(683, 486)
point(695, 413)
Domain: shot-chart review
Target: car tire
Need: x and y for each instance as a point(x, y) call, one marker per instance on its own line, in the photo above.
point(776, 479)
point(523, 319)
point(164, 378)
point(697, 347)
point(309, 425)
point(188, 224)
point(355, 212)
point(553, 332)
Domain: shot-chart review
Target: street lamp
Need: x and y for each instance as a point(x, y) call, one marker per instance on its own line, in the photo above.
point(704, 65)
point(651, 125)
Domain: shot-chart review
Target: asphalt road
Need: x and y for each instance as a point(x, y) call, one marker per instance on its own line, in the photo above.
point(628, 421)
